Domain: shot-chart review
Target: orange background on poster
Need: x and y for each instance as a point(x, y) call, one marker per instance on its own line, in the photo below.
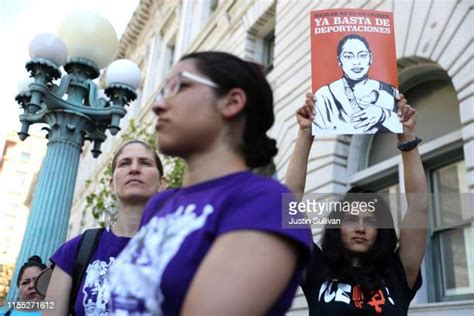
point(324, 64)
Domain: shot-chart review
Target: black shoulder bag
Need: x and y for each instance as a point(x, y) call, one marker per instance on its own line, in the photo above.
point(87, 247)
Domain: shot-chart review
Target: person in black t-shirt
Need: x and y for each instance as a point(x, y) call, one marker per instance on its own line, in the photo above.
point(358, 270)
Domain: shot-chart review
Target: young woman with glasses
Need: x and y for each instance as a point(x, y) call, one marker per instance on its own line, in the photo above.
point(215, 246)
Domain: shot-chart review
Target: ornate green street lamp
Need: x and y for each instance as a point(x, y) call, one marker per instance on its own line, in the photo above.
point(73, 113)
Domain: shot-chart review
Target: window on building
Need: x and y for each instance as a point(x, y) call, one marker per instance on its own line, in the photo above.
point(20, 177)
point(260, 40)
point(149, 74)
point(213, 4)
point(452, 232)
point(170, 52)
point(391, 195)
point(268, 50)
point(135, 106)
point(194, 17)
point(450, 257)
point(165, 61)
point(264, 47)
point(25, 156)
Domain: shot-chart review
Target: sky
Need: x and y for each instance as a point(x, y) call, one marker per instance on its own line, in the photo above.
point(21, 21)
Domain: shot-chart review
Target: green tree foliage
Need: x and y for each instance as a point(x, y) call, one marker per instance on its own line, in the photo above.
point(6, 272)
point(102, 196)
point(174, 171)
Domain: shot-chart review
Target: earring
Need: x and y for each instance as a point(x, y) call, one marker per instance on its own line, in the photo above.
point(110, 215)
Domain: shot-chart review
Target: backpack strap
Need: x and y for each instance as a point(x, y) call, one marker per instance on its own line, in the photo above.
point(87, 246)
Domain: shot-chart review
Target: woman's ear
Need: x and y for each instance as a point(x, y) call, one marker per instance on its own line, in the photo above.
point(111, 184)
point(163, 184)
point(233, 103)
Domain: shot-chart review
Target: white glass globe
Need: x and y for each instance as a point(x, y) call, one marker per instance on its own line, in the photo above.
point(23, 84)
point(49, 46)
point(123, 71)
point(90, 36)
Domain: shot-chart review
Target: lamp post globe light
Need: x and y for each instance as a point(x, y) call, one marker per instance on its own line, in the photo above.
point(73, 113)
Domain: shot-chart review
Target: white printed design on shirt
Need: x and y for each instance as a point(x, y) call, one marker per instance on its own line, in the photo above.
point(136, 276)
point(97, 288)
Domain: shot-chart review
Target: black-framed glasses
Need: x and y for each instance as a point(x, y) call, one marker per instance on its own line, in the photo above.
point(173, 85)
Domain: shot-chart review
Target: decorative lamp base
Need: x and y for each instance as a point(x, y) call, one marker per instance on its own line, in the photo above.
point(82, 65)
point(41, 66)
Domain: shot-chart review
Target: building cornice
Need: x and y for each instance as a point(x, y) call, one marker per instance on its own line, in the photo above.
point(136, 26)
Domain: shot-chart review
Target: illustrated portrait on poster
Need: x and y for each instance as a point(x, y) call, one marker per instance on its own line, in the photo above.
point(350, 96)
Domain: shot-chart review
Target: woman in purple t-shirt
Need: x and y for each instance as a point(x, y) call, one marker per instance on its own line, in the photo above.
point(137, 174)
point(217, 245)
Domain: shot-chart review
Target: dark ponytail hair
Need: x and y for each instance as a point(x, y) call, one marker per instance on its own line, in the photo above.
point(228, 72)
point(33, 261)
point(375, 263)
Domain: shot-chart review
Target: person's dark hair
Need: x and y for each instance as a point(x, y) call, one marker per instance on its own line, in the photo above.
point(159, 164)
point(375, 262)
point(33, 261)
point(228, 72)
point(351, 37)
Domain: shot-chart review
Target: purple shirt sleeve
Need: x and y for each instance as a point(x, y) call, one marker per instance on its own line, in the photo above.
point(65, 256)
point(259, 207)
